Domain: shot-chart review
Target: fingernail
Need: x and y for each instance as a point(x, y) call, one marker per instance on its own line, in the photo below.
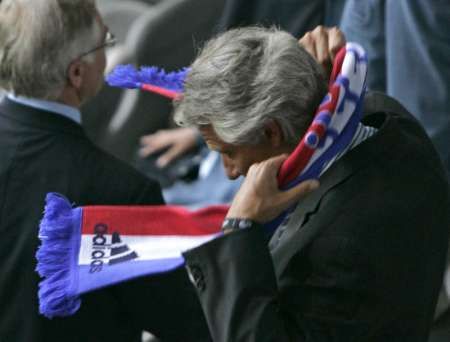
point(314, 184)
point(142, 153)
point(161, 162)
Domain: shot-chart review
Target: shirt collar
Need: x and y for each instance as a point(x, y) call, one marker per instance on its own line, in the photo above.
point(69, 112)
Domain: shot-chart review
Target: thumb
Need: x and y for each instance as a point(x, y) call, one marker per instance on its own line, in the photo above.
point(278, 160)
point(273, 164)
point(298, 192)
point(170, 155)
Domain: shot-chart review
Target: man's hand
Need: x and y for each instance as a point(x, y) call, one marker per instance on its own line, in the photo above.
point(259, 198)
point(323, 44)
point(179, 141)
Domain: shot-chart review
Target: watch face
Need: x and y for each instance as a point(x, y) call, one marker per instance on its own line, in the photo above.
point(244, 224)
point(236, 224)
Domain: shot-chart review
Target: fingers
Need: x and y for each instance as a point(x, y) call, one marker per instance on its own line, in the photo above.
point(295, 194)
point(162, 139)
point(287, 198)
point(275, 162)
point(153, 143)
point(336, 40)
point(180, 140)
point(323, 57)
point(307, 42)
point(323, 44)
point(170, 155)
point(259, 197)
point(270, 167)
point(146, 150)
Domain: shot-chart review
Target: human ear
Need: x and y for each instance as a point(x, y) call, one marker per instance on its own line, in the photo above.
point(273, 133)
point(75, 74)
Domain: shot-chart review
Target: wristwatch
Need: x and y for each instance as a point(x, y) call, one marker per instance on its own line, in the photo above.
point(233, 224)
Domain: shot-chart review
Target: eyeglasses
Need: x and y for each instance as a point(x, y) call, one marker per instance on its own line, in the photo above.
point(109, 41)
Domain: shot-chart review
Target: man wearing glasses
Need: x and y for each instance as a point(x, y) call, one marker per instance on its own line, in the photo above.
point(52, 59)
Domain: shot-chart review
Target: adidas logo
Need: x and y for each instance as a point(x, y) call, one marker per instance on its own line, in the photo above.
point(120, 252)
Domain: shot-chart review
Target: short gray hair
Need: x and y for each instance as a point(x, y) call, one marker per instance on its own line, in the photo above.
point(245, 77)
point(38, 41)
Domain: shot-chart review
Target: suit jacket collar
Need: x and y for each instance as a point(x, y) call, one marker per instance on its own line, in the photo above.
point(38, 118)
point(303, 226)
point(46, 105)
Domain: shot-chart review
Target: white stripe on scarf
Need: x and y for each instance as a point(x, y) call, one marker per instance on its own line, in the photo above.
point(362, 133)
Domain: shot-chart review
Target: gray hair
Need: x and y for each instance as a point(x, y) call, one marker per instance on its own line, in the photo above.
point(245, 77)
point(38, 41)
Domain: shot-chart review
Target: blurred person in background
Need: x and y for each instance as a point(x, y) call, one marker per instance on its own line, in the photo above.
point(296, 17)
point(52, 58)
point(186, 170)
point(177, 157)
point(408, 57)
point(409, 51)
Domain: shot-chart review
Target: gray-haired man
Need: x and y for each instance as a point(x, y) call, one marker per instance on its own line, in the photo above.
point(359, 259)
point(52, 58)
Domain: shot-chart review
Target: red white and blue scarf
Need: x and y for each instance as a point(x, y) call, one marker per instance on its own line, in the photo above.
point(86, 248)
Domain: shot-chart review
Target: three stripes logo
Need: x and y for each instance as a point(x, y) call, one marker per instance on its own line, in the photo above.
point(120, 252)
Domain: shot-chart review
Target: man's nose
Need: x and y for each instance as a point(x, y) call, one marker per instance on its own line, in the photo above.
point(230, 169)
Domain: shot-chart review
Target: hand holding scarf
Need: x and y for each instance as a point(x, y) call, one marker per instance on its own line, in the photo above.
point(86, 248)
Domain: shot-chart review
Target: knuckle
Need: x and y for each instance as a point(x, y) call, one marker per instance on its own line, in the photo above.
point(337, 31)
point(253, 168)
point(323, 60)
point(319, 30)
point(307, 37)
point(156, 135)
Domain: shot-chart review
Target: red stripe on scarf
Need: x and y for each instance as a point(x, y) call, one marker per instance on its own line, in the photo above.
point(300, 157)
point(160, 220)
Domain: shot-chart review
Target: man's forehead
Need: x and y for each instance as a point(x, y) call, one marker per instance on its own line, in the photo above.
point(210, 136)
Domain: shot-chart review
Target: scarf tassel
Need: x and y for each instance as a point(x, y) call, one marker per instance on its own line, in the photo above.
point(68, 250)
point(54, 255)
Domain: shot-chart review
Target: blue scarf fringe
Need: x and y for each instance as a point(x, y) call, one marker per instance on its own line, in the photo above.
point(60, 244)
point(127, 76)
point(54, 258)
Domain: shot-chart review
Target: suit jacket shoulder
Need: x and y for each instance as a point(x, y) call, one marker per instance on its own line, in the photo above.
point(42, 152)
point(371, 238)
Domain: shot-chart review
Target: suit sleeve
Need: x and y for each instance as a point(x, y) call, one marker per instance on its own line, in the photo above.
point(356, 288)
point(236, 284)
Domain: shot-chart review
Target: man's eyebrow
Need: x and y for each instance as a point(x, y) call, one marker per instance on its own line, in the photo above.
point(214, 147)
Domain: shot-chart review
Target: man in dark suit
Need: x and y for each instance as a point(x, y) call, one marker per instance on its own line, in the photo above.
point(52, 58)
point(359, 259)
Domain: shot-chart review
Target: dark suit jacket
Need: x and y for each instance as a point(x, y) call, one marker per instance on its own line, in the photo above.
point(42, 152)
point(361, 258)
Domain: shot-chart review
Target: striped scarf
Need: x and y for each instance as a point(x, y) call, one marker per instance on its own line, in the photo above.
point(86, 248)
